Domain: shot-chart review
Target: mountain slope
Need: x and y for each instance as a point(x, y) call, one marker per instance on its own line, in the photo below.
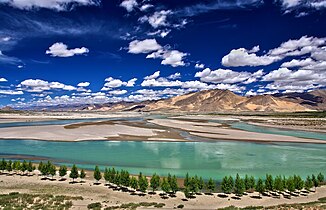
point(313, 100)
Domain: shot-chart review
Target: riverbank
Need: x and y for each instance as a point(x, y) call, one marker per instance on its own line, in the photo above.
point(107, 196)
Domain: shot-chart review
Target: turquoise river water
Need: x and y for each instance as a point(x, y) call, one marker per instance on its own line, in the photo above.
point(208, 159)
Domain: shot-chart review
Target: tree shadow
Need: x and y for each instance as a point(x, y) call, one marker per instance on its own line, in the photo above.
point(184, 199)
point(222, 195)
point(151, 193)
point(208, 193)
point(236, 198)
point(96, 183)
point(256, 197)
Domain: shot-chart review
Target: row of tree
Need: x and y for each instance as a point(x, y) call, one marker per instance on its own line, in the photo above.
point(279, 183)
point(17, 166)
point(169, 184)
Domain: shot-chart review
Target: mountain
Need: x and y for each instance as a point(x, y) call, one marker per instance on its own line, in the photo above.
point(224, 101)
point(211, 101)
point(315, 99)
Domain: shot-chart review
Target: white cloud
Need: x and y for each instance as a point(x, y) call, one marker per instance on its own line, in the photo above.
point(227, 76)
point(144, 46)
point(58, 5)
point(285, 79)
point(153, 76)
point(3, 80)
point(118, 92)
point(160, 82)
point(174, 58)
point(37, 86)
point(159, 18)
point(83, 84)
point(129, 5)
point(145, 7)
point(131, 82)
point(199, 66)
point(176, 75)
point(11, 92)
point(61, 50)
point(295, 62)
point(244, 57)
point(294, 47)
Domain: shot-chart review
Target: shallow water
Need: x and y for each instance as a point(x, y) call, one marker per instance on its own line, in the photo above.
point(263, 129)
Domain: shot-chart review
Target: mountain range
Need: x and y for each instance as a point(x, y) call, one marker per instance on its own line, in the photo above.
point(208, 101)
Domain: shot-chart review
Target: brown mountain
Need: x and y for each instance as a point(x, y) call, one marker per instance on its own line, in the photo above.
point(315, 100)
point(224, 101)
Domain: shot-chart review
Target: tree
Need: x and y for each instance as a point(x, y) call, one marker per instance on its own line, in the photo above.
point(30, 167)
point(290, 184)
point(112, 175)
point(193, 185)
point(9, 166)
point(309, 183)
point(82, 174)
point(173, 184)
point(278, 184)
point(239, 185)
point(3, 165)
point(298, 182)
point(117, 179)
point(210, 185)
point(143, 183)
point(133, 183)
point(315, 181)
point(24, 167)
point(124, 178)
point(52, 170)
point(186, 180)
point(201, 183)
point(252, 182)
point(155, 182)
point(320, 178)
point(260, 188)
point(107, 174)
point(62, 171)
point(186, 191)
point(16, 166)
point(74, 173)
point(97, 174)
point(247, 182)
point(269, 182)
point(40, 166)
point(165, 186)
point(227, 184)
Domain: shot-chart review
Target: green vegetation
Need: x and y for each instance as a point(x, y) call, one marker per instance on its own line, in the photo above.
point(97, 174)
point(136, 205)
point(74, 173)
point(16, 200)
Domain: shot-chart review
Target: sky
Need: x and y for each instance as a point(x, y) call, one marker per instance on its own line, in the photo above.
point(104, 51)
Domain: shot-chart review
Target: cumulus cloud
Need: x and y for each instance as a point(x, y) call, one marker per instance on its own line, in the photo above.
point(296, 80)
point(169, 57)
point(295, 63)
point(116, 83)
point(11, 92)
point(144, 46)
point(199, 66)
point(58, 5)
point(38, 85)
point(159, 18)
point(3, 79)
point(176, 75)
point(153, 76)
point(83, 84)
point(227, 76)
point(244, 57)
point(129, 5)
point(59, 49)
point(146, 7)
point(117, 92)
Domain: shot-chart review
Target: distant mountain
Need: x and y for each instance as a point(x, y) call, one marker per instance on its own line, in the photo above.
point(211, 101)
point(224, 101)
point(315, 99)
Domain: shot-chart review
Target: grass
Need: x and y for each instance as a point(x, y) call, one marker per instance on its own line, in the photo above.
point(320, 204)
point(16, 200)
point(136, 205)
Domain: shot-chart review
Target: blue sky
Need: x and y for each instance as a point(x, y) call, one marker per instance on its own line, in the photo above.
point(100, 51)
